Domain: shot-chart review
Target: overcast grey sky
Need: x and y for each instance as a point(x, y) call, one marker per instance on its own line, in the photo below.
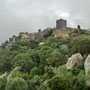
point(30, 15)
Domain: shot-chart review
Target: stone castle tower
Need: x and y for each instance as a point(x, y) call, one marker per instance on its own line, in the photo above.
point(61, 24)
point(61, 28)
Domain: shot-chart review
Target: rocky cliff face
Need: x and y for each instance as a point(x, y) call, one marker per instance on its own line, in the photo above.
point(87, 70)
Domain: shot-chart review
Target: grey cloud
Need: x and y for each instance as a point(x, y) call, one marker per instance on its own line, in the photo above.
point(30, 15)
point(79, 12)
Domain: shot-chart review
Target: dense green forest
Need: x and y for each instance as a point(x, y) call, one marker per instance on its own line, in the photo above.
point(30, 66)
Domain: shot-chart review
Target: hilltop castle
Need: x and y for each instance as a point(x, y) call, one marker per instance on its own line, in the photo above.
point(63, 31)
point(60, 30)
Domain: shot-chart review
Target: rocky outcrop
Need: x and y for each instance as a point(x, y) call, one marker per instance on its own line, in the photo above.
point(74, 60)
point(41, 43)
point(14, 70)
point(3, 75)
point(87, 70)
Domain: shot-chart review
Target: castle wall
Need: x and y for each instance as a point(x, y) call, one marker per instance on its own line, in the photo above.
point(23, 35)
point(60, 33)
point(60, 30)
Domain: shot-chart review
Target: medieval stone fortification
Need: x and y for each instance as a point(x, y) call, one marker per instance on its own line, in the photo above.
point(60, 30)
point(63, 31)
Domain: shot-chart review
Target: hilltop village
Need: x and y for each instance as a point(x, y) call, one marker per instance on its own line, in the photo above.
point(60, 30)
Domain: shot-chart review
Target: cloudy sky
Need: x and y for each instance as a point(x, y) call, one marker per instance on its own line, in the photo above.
point(30, 15)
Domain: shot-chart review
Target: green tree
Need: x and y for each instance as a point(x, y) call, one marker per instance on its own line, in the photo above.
point(34, 83)
point(50, 71)
point(33, 44)
point(64, 49)
point(60, 82)
point(46, 49)
point(5, 60)
point(56, 59)
point(80, 44)
point(3, 83)
point(80, 83)
point(16, 84)
point(34, 71)
point(35, 56)
point(24, 61)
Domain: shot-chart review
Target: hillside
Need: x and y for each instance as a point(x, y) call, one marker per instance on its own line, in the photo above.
point(40, 63)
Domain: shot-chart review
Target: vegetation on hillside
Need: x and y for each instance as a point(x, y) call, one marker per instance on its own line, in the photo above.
point(43, 66)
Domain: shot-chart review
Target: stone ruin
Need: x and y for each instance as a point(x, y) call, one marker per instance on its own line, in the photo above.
point(24, 36)
point(60, 30)
point(63, 31)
